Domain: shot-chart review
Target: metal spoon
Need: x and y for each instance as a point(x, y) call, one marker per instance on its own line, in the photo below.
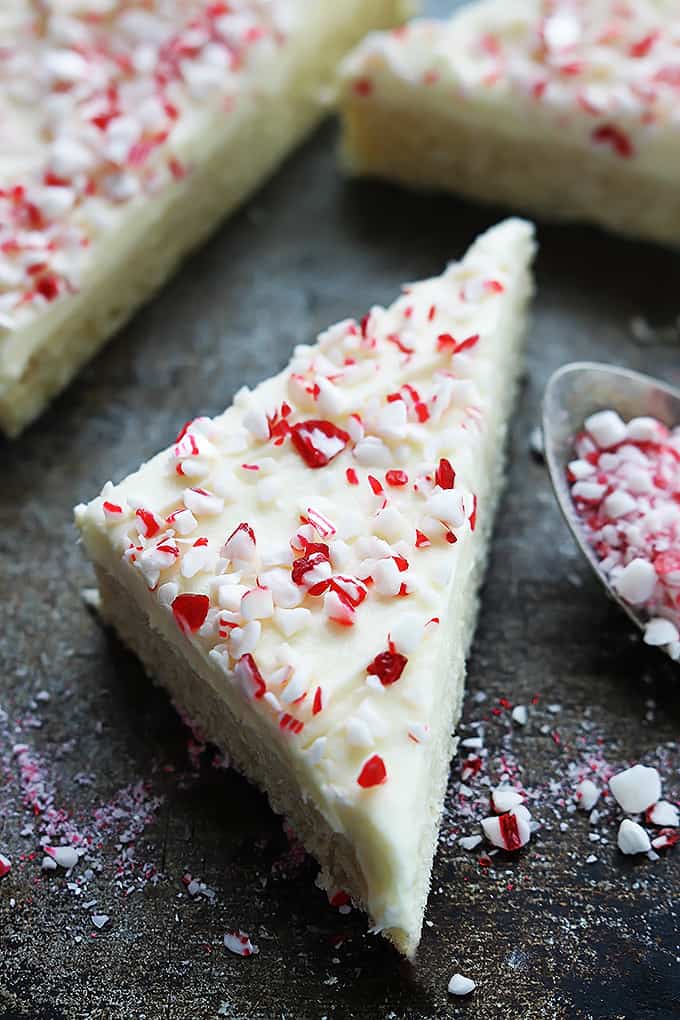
point(575, 392)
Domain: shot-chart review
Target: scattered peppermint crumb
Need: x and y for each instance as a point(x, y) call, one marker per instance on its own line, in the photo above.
point(536, 443)
point(99, 920)
point(520, 715)
point(238, 942)
point(636, 789)
point(91, 598)
point(461, 985)
point(632, 838)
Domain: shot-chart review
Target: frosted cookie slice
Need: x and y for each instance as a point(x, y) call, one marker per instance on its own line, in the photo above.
point(127, 130)
point(301, 572)
point(567, 108)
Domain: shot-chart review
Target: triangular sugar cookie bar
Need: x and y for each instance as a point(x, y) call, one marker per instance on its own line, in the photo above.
point(564, 108)
point(301, 572)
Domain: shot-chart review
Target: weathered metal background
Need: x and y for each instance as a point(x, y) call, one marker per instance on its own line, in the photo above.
point(543, 934)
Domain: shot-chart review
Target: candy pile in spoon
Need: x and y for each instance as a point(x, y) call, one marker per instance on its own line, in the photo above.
point(625, 484)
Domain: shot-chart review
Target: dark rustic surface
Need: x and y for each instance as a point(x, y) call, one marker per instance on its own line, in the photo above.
point(543, 934)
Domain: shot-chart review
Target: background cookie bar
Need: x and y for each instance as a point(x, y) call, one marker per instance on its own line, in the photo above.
point(127, 130)
point(565, 109)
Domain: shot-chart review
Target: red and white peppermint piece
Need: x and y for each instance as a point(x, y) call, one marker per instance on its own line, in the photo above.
point(190, 611)
point(5, 865)
point(321, 524)
point(240, 547)
point(257, 604)
point(318, 442)
point(202, 503)
point(509, 831)
point(244, 640)
point(197, 558)
point(447, 506)
point(251, 679)
point(663, 814)
point(64, 856)
point(238, 942)
point(666, 838)
point(182, 521)
point(148, 523)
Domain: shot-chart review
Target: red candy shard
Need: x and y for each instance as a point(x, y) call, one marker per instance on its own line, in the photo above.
point(363, 86)
point(470, 341)
point(317, 705)
point(243, 526)
point(388, 667)
point(352, 476)
point(445, 476)
point(251, 667)
point(150, 522)
point(373, 773)
point(190, 612)
point(473, 515)
point(510, 831)
point(610, 134)
point(396, 478)
point(312, 559)
point(318, 442)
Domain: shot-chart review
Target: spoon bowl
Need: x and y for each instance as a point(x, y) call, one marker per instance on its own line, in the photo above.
point(573, 393)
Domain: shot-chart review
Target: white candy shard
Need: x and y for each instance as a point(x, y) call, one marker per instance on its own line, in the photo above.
point(461, 985)
point(504, 798)
point(661, 632)
point(520, 715)
point(99, 920)
point(632, 838)
point(607, 428)
point(663, 813)
point(587, 795)
point(469, 842)
point(635, 789)
point(65, 856)
point(636, 582)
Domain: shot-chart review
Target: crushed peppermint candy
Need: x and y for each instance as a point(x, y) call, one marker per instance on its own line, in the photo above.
point(238, 942)
point(632, 838)
point(636, 789)
point(461, 985)
point(625, 484)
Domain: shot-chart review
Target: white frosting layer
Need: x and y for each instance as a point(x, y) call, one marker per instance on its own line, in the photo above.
point(306, 547)
point(603, 72)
